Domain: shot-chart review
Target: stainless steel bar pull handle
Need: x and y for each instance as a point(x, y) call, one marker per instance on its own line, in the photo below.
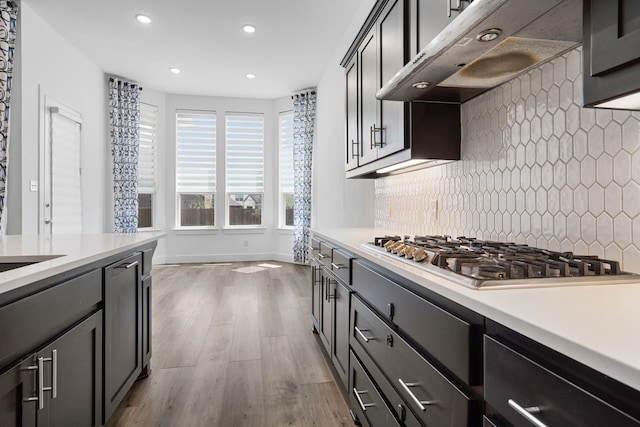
point(363, 405)
point(420, 403)
point(321, 256)
point(372, 137)
point(337, 266)
point(364, 337)
point(128, 266)
point(450, 8)
point(54, 374)
point(527, 413)
point(355, 153)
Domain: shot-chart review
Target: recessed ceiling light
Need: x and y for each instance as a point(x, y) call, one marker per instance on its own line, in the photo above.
point(251, 76)
point(175, 70)
point(248, 28)
point(143, 18)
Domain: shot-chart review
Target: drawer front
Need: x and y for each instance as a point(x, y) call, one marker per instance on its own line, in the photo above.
point(365, 399)
point(445, 336)
point(435, 399)
point(315, 247)
point(397, 404)
point(32, 321)
point(514, 383)
point(341, 265)
point(324, 254)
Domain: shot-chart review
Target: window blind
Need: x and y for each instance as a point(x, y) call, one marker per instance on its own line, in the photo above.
point(147, 153)
point(286, 152)
point(66, 192)
point(195, 152)
point(245, 153)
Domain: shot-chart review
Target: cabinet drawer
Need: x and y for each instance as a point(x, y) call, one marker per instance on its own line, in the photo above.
point(34, 320)
point(365, 399)
point(396, 403)
point(514, 384)
point(434, 398)
point(341, 265)
point(452, 341)
point(324, 254)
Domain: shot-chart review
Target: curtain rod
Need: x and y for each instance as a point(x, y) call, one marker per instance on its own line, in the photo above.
point(113, 78)
point(310, 91)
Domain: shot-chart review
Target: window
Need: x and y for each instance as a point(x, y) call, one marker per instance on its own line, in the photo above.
point(195, 168)
point(147, 164)
point(286, 169)
point(244, 168)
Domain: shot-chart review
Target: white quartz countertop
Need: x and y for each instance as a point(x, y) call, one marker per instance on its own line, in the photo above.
point(597, 325)
point(74, 250)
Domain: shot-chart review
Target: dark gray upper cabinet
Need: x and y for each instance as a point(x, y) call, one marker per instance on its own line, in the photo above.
point(430, 17)
point(611, 54)
point(384, 133)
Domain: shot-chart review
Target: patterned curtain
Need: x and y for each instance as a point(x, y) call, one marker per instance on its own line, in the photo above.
point(8, 18)
point(124, 117)
point(304, 117)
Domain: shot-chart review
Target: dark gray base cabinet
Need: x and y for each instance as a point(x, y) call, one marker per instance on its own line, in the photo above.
point(123, 340)
point(72, 345)
point(71, 368)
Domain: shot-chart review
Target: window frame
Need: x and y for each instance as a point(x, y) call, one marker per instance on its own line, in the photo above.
point(245, 191)
point(178, 193)
point(282, 210)
point(153, 193)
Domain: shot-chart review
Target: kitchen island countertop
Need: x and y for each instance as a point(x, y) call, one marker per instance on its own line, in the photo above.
point(597, 325)
point(72, 251)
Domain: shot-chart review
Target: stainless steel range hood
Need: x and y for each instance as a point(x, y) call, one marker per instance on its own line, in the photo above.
point(467, 58)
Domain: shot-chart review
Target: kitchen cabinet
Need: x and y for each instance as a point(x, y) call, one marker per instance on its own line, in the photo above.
point(353, 129)
point(54, 337)
point(316, 294)
point(330, 276)
point(523, 387)
point(59, 385)
point(428, 18)
point(147, 280)
point(611, 35)
point(123, 337)
point(382, 133)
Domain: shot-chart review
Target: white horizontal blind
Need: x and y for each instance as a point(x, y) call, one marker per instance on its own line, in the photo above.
point(245, 152)
point(286, 152)
point(66, 192)
point(147, 153)
point(195, 152)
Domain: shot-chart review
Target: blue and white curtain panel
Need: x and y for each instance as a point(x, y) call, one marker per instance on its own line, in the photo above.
point(124, 128)
point(304, 117)
point(8, 20)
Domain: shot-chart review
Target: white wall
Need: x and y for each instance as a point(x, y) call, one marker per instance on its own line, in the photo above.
point(46, 64)
point(338, 202)
point(51, 66)
point(225, 244)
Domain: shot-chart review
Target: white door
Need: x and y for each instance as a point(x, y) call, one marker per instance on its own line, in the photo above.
point(62, 201)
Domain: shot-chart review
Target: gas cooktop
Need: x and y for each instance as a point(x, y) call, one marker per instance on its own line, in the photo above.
point(481, 264)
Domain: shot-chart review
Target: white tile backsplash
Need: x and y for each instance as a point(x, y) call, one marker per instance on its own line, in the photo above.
point(536, 168)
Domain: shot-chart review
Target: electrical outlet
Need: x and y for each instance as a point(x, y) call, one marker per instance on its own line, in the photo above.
point(33, 185)
point(246, 243)
point(433, 209)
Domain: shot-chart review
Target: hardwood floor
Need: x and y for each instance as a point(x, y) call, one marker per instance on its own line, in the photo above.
point(232, 349)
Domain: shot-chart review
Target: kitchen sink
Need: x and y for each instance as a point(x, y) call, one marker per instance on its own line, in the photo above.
point(12, 262)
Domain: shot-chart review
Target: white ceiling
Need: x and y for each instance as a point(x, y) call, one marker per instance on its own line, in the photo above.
point(294, 41)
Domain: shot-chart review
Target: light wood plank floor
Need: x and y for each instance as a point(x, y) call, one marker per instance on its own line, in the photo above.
point(232, 349)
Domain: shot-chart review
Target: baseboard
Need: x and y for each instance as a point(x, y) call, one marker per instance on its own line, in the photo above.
point(192, 259)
